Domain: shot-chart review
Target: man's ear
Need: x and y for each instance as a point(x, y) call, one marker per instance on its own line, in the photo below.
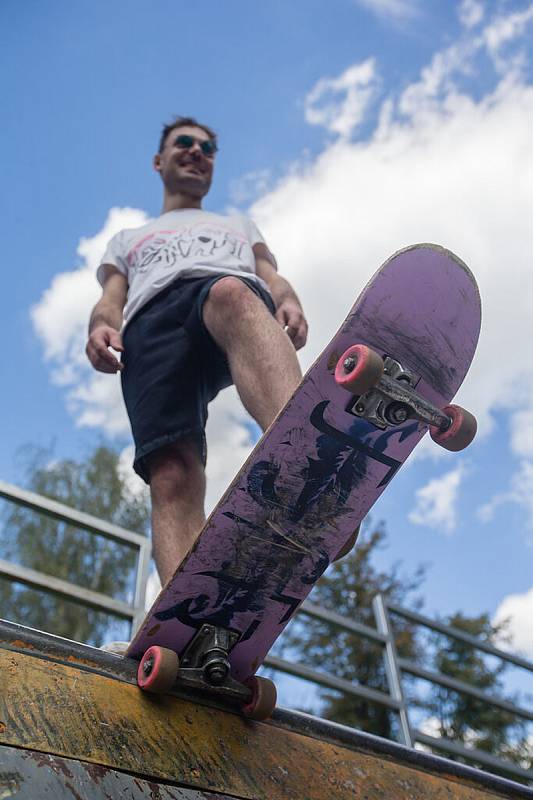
point(156, 162)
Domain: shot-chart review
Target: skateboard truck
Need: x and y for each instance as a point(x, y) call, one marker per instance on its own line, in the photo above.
point(385, 396)
point(205, 662)
point(397, 386)
point(204, 666)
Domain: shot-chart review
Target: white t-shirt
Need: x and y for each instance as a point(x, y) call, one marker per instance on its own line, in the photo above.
point(186, 243)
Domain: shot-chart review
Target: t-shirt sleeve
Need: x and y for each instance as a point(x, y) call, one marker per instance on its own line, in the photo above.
point(114, 255)
point(256, 237)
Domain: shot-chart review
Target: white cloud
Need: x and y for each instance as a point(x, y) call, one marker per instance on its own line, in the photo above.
point(95, 401)
point(437, 83)
point(471, 12)
point(135, 485)
point(229, 441)
point(506, 28)
point(431, 726)
point(518, 609)
point(522, 433)
point(250, 186)
point(339, 104)
point(520, 492)
point(395, 9)
point(61, 316)
point(436, 501)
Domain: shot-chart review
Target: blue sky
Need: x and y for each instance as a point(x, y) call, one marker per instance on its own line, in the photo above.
point(347, 130)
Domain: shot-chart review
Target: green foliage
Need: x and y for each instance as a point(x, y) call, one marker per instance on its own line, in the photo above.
point(468, 720)
point(61, 550)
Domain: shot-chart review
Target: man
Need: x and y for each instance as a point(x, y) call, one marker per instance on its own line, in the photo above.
point(193, 302)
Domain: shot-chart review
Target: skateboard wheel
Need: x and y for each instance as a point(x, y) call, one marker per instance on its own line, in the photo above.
point(358, 369)
point(263, 700)
point(158, 670)
point(460, 433)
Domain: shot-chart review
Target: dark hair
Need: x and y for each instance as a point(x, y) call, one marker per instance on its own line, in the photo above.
point(181, 122)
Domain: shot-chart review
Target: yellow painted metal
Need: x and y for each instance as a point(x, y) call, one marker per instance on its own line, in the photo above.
point(65, 711)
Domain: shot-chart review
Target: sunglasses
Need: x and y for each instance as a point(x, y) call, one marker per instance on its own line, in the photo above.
point(185, 142)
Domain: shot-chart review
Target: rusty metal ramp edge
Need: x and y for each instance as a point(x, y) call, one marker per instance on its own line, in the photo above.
point(365, 742)
point(77, 711)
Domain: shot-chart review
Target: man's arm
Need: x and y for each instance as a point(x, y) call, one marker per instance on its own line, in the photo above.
point(289, 312)
point(106, 322)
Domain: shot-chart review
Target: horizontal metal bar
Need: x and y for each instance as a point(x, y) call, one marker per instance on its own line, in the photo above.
point(330, 682)
point(449, 630)
point(464, 688)
point(64, 513)
point(52, 585)
point(482, 757)
point(38, 644)
point(341, 622)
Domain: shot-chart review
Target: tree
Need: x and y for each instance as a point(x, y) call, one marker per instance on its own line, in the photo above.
point(56, 548)
point(348, 589)
point(468, 720)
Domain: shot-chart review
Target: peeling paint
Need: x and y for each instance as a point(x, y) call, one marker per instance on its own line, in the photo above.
point(10, 783)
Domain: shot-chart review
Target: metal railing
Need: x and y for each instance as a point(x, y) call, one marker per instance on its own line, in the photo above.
point(396, 668)
point(382, 634)
point(134, 611)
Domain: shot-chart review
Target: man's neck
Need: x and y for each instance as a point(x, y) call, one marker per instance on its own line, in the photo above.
point(175, 202)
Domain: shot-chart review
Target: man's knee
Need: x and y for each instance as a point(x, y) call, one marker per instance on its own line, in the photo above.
point(175, 469)
point(228, 295)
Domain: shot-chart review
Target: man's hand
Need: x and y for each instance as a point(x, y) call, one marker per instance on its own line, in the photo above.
point(106, 321)
point(289, 312)
point(291, 318)
point(101, 339)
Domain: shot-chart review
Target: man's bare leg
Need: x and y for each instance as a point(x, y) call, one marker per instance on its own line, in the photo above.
point(262, 358)
point(265, 371)
point(177, 488)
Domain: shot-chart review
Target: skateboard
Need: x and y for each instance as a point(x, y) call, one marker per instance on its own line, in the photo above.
point(385, 379)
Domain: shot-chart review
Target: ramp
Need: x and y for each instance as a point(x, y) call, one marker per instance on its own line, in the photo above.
point(73, 724)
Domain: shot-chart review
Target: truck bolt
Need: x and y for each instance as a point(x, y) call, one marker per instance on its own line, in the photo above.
point(349, 364)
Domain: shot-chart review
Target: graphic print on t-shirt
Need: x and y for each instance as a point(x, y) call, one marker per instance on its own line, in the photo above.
point(165, 248)
point(185, 243)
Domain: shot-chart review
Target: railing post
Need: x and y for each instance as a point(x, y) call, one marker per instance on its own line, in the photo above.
point(392, 668)
point(141, 579)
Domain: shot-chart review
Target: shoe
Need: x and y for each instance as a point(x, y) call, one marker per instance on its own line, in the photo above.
point(350, 544)
point(119, 648)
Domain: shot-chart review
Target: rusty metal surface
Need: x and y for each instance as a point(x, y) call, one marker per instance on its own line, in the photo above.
point(332, 732)
point(28, 775)
point(67, 712)
point(20, 639)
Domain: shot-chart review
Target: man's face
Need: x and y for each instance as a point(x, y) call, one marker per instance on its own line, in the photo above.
point(183, 169)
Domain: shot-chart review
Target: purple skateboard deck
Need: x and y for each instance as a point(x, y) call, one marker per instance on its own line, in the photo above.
point(319, 469)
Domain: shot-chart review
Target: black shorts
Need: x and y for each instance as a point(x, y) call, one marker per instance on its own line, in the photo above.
point(173, 368)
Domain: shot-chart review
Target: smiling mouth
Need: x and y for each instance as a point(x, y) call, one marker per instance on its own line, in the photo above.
point(194, 168)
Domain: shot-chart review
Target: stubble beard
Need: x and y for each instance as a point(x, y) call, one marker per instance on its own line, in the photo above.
point(196, 186)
